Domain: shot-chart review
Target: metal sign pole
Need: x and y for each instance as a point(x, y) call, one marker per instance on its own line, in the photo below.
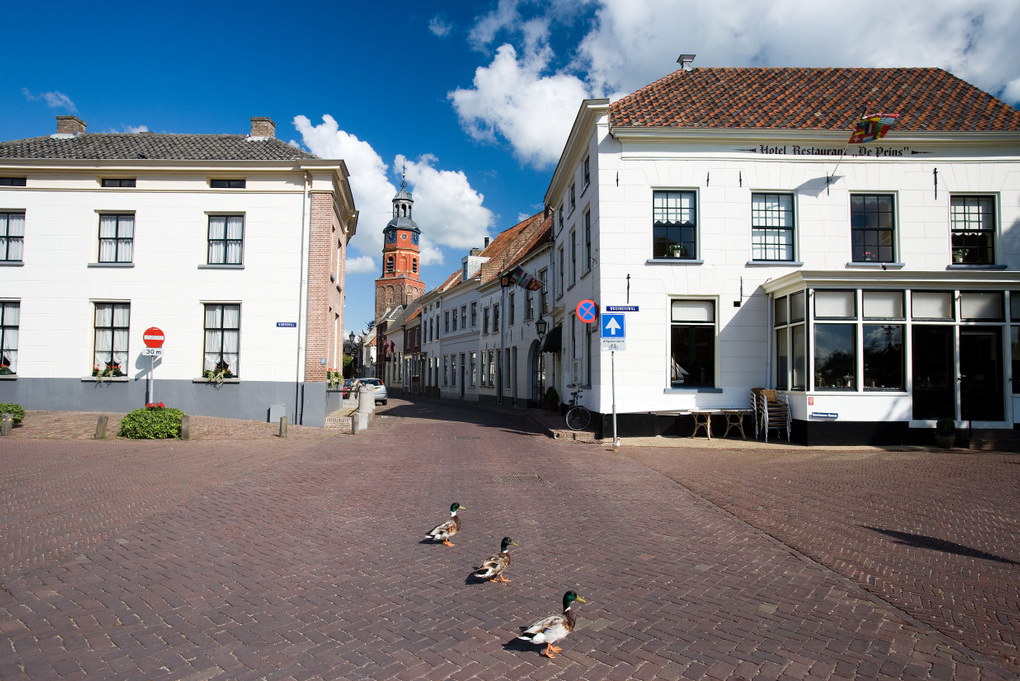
point(152, 378)
point(612, 366)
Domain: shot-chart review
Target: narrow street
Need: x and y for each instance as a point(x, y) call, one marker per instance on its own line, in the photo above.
point(301, 559)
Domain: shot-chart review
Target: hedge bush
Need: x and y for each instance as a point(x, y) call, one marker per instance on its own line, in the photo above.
point(152, 423)
point(16, 411)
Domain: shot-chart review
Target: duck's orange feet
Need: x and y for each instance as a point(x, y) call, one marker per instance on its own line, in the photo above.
point(503, 579)
point(550, 649)
point(447, 542)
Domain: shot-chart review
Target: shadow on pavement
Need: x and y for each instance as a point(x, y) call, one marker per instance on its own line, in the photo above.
point(493, 416)
point(921, 541)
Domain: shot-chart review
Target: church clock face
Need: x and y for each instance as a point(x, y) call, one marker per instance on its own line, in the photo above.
point(414, 239)
point(391, 237)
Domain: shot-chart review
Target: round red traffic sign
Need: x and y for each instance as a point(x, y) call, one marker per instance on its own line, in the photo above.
point(153, 337)
point(587, 311)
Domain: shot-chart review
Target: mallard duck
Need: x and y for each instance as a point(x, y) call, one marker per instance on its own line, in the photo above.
point(443, 531)
point(553, 628)
point(495, 564)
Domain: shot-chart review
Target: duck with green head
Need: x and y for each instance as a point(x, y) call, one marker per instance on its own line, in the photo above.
point(444, 530)
point(553, 628)
point(495, 564)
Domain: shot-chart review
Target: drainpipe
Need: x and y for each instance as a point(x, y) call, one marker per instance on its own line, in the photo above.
point(302, 332)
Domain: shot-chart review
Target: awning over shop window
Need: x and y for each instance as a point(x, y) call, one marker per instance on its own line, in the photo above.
point(554, 341)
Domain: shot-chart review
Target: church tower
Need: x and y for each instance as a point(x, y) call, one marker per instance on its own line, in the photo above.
point(400, 282)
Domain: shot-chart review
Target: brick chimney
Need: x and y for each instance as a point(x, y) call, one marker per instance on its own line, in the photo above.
point(263, 127)
point(70, 125)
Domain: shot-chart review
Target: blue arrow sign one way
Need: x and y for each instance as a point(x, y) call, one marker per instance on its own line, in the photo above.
point(613, 326)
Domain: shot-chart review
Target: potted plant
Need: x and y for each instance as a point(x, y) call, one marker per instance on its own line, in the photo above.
point(219, 372)
point(677, 250)
point(551, 399)
point(945, 433)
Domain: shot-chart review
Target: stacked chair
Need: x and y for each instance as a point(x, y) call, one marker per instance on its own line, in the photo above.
point(771, 412)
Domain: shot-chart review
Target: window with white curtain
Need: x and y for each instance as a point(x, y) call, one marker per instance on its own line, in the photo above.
point(116, 238)
point(12, 236)
point(222, 339)
point(226, 239)
point(10, 313)
point(112, 324)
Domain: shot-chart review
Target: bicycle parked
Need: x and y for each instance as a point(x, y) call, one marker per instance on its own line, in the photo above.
point(578, 417)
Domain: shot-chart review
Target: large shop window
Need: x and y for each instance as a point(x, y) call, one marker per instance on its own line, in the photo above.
point(791, 342)
point(973, 229)
point(692, 344)
point(1014, 331)
point(772, 227)
point(674, 225)
point(222, 339)
point(884, 357)
point(872, 228)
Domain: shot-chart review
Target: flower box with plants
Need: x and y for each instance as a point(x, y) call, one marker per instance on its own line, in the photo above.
point(334, 379)
point(5, 368)
point(155, 421)
point(110, 370)
point(219, 373)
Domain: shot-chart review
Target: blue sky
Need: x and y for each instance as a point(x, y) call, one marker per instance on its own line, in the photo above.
point(478, 98)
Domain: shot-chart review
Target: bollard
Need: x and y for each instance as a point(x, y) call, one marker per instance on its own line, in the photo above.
point(185, 428)
point(283, 426)
point(101, 427)
point(6, 423)
point(355, 424)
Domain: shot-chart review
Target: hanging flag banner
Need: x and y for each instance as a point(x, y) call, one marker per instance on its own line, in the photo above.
point(873, 127)
point(518, 276)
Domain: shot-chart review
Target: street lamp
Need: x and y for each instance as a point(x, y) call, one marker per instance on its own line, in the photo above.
point(541, 326)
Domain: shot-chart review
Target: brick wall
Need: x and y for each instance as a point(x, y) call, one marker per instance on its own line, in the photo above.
point(319, 324)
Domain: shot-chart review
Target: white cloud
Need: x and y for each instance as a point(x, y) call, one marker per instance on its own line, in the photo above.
point(132, 129)
point(362, 264)
point(633, 42)
point(512, 100)
point(448, 211)
point(54, 100)
point(440, 27)
point(520, 99)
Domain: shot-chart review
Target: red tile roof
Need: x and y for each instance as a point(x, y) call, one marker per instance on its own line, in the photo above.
point(812, 99)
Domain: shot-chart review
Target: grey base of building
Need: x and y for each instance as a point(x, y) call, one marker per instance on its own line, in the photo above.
point(808, 433)
point(304, 403)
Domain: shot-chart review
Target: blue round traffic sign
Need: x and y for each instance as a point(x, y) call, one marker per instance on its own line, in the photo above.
point(587, 311)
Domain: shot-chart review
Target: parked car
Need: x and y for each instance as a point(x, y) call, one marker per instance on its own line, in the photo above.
point(348, 388)
point(381, 394)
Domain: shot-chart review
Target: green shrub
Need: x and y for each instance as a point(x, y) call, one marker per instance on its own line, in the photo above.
point(16, 411)
point(152, 423)
point(945, 427)
point(551, 396)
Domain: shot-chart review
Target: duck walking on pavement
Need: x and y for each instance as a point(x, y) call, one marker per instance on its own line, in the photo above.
point(553, 628)
point(497, 563)
point(444, 530)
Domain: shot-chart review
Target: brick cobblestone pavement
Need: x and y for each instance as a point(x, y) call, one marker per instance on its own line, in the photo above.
point(305, 559)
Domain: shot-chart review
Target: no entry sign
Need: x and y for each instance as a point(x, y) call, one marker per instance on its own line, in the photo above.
point(153, 337)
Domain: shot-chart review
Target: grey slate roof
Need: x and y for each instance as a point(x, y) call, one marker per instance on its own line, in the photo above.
point(96, 146)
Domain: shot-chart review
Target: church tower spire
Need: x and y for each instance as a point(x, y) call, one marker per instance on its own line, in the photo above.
point(400, 282)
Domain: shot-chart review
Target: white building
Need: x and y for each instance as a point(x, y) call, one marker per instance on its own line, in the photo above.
point(478, 334)
point(232, 245)
point(879, 296)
